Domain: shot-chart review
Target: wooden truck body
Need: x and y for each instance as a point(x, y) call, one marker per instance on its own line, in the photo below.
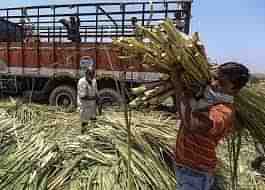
point(44, 49)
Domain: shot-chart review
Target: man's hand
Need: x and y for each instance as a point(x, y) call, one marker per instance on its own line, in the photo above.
point(200, 122)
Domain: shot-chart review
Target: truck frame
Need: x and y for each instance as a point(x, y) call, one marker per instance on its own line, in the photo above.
point(43, 49)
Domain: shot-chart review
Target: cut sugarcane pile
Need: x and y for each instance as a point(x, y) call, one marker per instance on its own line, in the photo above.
point(42, 148)
point(48, 152)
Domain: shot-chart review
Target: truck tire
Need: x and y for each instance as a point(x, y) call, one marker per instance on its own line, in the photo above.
point(109, 98)
point(63, 96)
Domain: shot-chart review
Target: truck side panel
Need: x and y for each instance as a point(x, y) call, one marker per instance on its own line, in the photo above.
point(65, 57)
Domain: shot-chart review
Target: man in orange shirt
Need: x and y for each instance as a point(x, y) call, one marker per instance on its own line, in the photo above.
point(203, 124)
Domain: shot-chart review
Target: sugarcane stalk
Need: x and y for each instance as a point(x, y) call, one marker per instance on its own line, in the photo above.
point(159, 99)
point(149, 86)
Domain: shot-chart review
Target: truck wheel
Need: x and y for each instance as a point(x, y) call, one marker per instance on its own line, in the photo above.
point(109, 98)
point(63, 96)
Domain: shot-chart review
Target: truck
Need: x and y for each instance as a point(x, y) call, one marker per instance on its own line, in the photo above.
point(45, 49)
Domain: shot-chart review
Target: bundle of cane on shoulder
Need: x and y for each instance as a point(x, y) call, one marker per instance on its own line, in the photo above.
point(182, 58)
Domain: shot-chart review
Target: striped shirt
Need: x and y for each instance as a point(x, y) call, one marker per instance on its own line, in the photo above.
point(197, 150)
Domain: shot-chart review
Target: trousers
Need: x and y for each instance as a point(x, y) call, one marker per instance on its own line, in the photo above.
point(189, 179)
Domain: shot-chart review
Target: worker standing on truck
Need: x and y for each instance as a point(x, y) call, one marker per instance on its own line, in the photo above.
point(87, 98)
point(204, 123)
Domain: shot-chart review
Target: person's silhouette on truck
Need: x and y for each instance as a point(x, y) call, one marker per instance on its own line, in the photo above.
point(72, 26)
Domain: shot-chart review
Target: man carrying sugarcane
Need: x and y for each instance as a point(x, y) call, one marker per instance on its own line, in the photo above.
point(87, 97)
point(204, 123)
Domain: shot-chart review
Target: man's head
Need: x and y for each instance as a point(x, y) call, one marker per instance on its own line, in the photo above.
point(90, 73)
point(230, 78)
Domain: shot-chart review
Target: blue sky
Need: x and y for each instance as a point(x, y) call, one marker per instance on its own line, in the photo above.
point(231, 29)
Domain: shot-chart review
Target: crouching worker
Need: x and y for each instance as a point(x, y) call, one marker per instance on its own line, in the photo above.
point(87, 98)
point(204, 123)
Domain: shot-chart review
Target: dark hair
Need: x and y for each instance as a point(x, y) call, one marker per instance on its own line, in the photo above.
point(236, 73)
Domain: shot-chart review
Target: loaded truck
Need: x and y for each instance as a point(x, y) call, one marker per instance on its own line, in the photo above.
point(44, 49)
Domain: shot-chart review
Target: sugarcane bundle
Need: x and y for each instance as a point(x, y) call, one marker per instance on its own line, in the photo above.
point(171, 52)
point(183, 60)
point(152, 95)
point(250, 114)
point(49, 153)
